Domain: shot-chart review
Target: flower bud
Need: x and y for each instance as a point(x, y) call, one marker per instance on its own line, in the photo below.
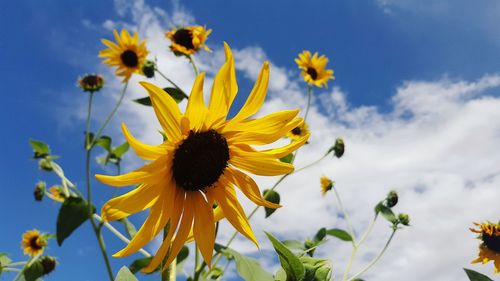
point(39, 190)
point(49, 264)
point(338, 148)
point(392, 199)
point(45, 164)
point(316, 269)
point(148, 69)
point(91, 83)
point(326, 184)
point(404, 219)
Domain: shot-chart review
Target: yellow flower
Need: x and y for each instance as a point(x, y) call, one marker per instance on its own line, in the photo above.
point(56, 193)
point(489, 250)
point(33, 242)
point(326, 184)
point(188, 40)
point(201, 163)
point(314, 68)
point(298, 132)
point(127, 54)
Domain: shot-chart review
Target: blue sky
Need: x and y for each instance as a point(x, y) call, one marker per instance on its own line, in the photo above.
point(375, 47)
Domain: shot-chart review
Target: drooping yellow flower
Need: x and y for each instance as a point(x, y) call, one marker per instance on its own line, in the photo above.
point(188, 40)
point(127, 54)
point(489, 250)
point(326, 184)
point(201, 163)
point(33, 242)
point(56, 193)
point(314, 68)
point(298, 132)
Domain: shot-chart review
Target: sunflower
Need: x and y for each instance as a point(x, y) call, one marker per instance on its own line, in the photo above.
point(128, 54)
point(489, 250)
point(201, 163)
point(188, 40)
point(33, 242)
point(326, 184)
point(314, 68)
point(298, 132)
point(56, 193)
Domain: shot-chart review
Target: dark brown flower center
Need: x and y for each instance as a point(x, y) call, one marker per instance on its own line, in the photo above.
point(34, 243)
point(184, 38)
point(297, 131)
point(200, 160)
point(492, 242)
point(91, 81)
point(312, 72)
point(129, 58)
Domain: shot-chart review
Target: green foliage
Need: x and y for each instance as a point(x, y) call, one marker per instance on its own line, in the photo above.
point(139, 264)
point(175, 93)
point(287, 159)
point(476, 276)
point(386, 212)
point(292, 265)
point(33, 272)
point(316, 269)
point(271, 196)
point(40, 149)
point(125, 275)
point(247, 267)
point(144, 101)
point(114, 155)
point(340, 234)
point(183, 254)
point(104, 142)
point(129, 227)
point(4, 261)
point(293, 244)
point(73, 212)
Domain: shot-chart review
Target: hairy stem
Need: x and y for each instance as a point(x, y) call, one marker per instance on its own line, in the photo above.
point(195, 68)
point(171, 82)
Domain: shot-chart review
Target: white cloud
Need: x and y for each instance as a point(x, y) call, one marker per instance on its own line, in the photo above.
point(437, 147)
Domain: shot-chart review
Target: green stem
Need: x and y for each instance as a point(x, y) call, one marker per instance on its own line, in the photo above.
point(171, 82)
point(346, 217)
point(168, 274)
point(6, 269)
point(376, 259)
point(309, 94)
point(368, 231)
point(195, 68)
point(17, 263)
point(108, 118)
point(196, 259)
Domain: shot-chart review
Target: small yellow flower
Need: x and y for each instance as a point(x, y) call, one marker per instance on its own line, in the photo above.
point(314, 68)
point(188, 40)
point(91, 83)
point(202, 162)
point(56, 193)
point(127, 54)
point(326, 184)
point(298, 132)
point(489, 250)
point(33, 242)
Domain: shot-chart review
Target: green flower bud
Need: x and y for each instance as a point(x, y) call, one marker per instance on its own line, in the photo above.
point(49, 264)
point(39, 190)
point(91, 83)
point(309, 244)
point(338, 148)
point(45, 164)
point(392, 199)
point(148, 69)
point(404, 219)
point(316, 269)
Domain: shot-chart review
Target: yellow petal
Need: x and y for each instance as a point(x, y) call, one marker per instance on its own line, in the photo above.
point(225, 195)
point(218, 215)
point(204, 226)
point(183, 231)
point(258, 163)
point(248, 186)
point(287, 149)
point(166, 110)
point(147, 152)
point(196, 110)
point(269, 124)
point(257, 138)
point(150, 173)
point(257, 95)
point(129, 203)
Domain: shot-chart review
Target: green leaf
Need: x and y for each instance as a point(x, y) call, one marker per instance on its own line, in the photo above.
point(129, 227)
point(4, 261)
point(120, 150)
point(386, 212)
point(73, 212)
point(476, 276)
point(104, 142)
point(33, 272)
point(144, 101)
point(125, 275)
point(287, 159)
point(291, 264)
point(271, 196)
point(139, 264)
point(280, 275)
point(340, 234)
point(320, 235)
point(175, 93)
point(358, 279)
point(183, 254)
point(40, 149)
point(248, 268)
point(293, 244)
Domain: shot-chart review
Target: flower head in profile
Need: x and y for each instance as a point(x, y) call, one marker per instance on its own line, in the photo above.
point(33, 242)
point(188, 40)
point(127, 54)
point(298, 132)
point(202, 162)
point(91, 83)
point(326, 184)
point(56, 193)
point(489, 250)
point(314, 68)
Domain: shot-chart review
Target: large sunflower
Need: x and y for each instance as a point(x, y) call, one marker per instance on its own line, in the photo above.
point(314, 68)
point(33, 242)
point(188, 40)
point(200, 164)
point(489, 250)
point(128, 54)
